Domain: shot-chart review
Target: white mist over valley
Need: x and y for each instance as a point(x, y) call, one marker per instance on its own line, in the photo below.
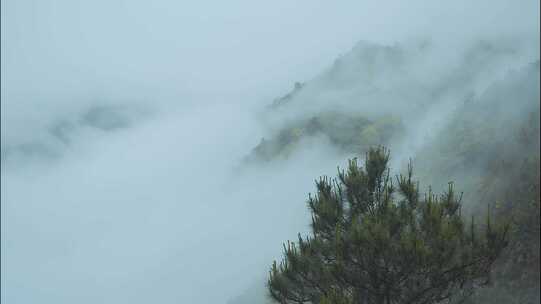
point(143, 150)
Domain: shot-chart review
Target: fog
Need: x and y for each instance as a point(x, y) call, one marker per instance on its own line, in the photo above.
point(125, 123)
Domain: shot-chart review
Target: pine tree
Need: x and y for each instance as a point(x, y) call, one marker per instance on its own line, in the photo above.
point(372, 242)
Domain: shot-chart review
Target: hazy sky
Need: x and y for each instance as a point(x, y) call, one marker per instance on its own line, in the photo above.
point(156, 213)
point(235, 47)
point(58, 55)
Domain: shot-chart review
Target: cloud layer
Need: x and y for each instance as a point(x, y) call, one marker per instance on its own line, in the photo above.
point(137, 115)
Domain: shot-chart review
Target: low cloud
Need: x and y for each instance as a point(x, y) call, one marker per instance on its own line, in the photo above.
point(125, 126)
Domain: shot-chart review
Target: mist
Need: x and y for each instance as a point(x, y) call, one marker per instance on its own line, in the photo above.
point(124, 125)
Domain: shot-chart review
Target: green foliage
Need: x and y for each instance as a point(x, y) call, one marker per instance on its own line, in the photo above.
point(345, 131)
point(377, 242)
point(492, 146)
point(513, 183)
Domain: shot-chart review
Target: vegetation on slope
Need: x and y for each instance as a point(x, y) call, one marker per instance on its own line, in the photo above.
point(348, 132)
point(377, 242)
point(490, 143)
